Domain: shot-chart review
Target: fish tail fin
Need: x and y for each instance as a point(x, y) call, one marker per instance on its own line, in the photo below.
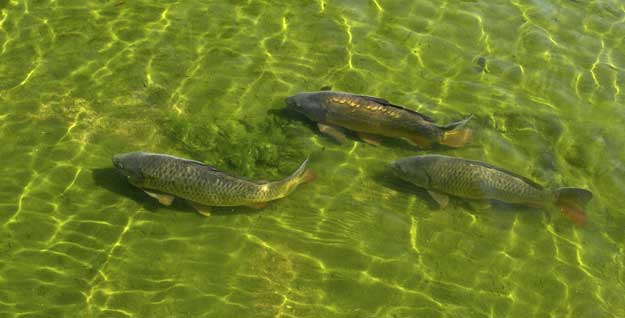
point(457, 124)
point(282, 188)
point(457, 138)
point(455, 135)
point(571, 202)
point(303, 174)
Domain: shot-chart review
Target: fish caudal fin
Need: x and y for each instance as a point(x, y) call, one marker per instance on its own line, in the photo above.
point(303, 174)
point(455, 135)
point(280, 189)
point(571, 202)
point(308, 176)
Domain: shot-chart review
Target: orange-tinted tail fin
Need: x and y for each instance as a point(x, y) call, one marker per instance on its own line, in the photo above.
point(455, 135)
point(302, 174)
point(571, 202)
point(308, 176)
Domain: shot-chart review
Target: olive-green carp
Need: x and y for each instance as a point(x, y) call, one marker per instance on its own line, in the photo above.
point(165, 177)
point(373, 116)
point(442, 176)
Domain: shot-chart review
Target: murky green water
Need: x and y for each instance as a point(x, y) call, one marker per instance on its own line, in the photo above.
point(83, 80)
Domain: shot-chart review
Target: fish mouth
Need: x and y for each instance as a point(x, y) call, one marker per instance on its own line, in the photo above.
point(119, 166)
point(117, 162)
point(290, 102)
point(396, 169)
point(395, 166)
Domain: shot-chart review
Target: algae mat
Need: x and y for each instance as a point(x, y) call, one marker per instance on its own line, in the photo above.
point(83, 80)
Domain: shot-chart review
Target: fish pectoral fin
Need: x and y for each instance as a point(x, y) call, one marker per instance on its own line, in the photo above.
point(370, 139)
point(480, 205)
point(333, 132)
point(440, 198)
point(201, 208)
point(163, 198)
point(257, 205)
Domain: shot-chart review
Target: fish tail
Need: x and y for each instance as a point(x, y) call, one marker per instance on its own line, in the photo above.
point(302, 174)
point(455, 135)
point(287, 185)
point(571, 202)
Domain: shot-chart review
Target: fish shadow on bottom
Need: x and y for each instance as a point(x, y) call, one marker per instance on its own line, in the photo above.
point(291, 116)
point(111, 180)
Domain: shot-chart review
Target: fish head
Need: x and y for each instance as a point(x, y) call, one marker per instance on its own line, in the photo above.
point(310, 104)
point(129, 164)
point(413, 170)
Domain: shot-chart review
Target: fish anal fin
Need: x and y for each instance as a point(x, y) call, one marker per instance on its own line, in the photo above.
point(257, 205)
point(370, 139)
point(201, 208)
point(420, 141)
point(163, 198)
point(480, 205)
point(333, 132)
point(440, 198)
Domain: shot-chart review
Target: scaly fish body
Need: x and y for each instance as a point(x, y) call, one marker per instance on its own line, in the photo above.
point(200, 183)
point(361, 114)
point(470, 179)
point(443, 175)
point(376, 116)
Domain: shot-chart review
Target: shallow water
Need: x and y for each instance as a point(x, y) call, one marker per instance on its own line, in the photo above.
point(83, 80)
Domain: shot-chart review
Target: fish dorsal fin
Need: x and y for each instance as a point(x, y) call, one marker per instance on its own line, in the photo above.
point(527, 180)
point(211, 169)
point(203, 165)
point(195, 162)
point(385, 102)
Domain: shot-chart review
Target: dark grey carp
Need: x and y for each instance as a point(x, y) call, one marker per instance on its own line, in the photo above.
point(165, 177)
point(373, 116)
point(442, 176)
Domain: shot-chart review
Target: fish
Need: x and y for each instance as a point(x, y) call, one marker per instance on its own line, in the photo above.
point(443, 176)
point(165, 177)
point(371, 117)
